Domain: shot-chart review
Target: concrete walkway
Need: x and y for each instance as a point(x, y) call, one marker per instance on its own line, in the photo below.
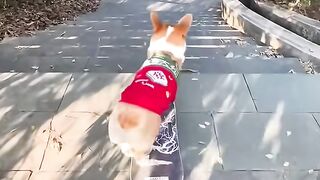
point(241, 117)
point(248, 126)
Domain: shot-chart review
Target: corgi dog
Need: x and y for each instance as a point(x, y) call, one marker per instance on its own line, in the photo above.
point(135, 121)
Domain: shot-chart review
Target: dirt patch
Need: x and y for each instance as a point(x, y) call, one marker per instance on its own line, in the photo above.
point(312, 11)
point(26, 18)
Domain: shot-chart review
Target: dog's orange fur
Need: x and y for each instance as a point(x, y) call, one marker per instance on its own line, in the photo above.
point(132, 127)
point(127, 120)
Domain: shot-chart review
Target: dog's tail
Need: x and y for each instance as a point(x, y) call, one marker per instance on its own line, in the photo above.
point(128, 120)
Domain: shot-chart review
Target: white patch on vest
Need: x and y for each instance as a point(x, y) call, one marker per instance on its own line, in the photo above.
point(157, 178)
point(158, 77)
point(144, 82)
point(167, 94)
point(147, 84)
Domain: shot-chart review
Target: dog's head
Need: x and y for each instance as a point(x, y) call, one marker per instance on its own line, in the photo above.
point(169, 39)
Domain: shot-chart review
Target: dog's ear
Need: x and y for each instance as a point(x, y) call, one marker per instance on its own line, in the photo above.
point(185, 23)
point(156, 23)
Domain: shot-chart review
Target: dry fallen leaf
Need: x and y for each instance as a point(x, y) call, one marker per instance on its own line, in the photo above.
point(207, 123)
point(230, 55)
point(120, 67)
point(269, 156)
point(289, 133)
point(220, 160)
point(57, 143)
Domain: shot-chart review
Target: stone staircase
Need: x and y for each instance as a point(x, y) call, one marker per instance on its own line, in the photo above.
point(112, 42)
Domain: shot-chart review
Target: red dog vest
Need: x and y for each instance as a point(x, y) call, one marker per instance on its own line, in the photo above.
point(154, 86)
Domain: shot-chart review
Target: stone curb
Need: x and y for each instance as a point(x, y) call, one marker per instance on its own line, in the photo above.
point(286, 42)
point(297, 23)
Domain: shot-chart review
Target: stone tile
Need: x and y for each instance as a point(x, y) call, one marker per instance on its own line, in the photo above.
point(7, 65)
point(104, 65)
point(301, 175)
point(213, 92)
point(91, 92)
point(268, 141)
point(239, 175)
point(133, 41)
point(90, 38)
point(129, 53)
point(114, 65)
point(34, 92)
point(8, 56)
point(50, 64)
point(199, 149)
point(22, 139)
point(212, 32)
point(27, 40)
point(5, 76)
point(80, 51)
point(84, 144)
point(81, 175)
point(144, 34)
point(243, 65)
point(36, 50)
point(285, 92)
point(11, 175)
point(64, 41)
point(27, 64)
point(246, 175)
point(222, 49)
point(64, 64)
point(317, 117)
point(63, 50)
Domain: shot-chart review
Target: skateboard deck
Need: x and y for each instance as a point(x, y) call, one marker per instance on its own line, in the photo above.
point(165, 158)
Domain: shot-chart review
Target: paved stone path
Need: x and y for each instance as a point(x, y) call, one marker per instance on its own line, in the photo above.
point(242, 117)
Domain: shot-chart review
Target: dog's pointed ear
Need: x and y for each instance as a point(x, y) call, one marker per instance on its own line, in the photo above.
point(185, 23)
point(156, 23)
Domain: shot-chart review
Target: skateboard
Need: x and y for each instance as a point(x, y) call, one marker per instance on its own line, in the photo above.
point(165, 155)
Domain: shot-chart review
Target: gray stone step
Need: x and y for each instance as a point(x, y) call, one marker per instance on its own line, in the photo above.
point(251, 66)
point(203, 48)
point(117, 9)
point(170, 17)
point(219, 38)
point(146, 24)
point(121, 29)
point(123, 64)
point(199, 48)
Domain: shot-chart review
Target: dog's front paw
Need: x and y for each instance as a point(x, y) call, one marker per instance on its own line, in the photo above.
point(143, 161)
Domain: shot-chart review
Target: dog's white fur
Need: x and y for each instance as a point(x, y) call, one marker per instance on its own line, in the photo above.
point(137, 137)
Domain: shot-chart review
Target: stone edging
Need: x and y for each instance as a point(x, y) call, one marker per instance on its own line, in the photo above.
point(267, 32)
point(297, 23)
